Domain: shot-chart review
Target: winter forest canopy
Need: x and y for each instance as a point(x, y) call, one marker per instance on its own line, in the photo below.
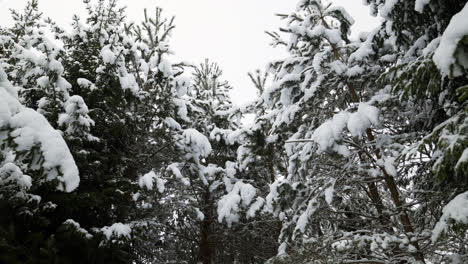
point(113, 152)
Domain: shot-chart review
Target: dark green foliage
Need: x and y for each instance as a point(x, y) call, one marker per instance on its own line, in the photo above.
point(126, 129)
point(355, 148)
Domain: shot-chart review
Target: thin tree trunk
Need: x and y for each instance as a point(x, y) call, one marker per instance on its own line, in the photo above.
point(272, 171)
point(206, 245)
point(391, 185)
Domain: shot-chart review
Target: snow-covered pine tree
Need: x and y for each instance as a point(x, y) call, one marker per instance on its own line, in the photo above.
point(198, 175)
point(126, 96)
point(161, 110)
point(34, 162)
point(205, 184)
point(363, 142)
point(134, 95)
point(33, 61)
point(311, 87)
point(353, 143)
point(428, 74)
point(248, 237)
point(260, 159)
point(334, 166)
point(260, 154)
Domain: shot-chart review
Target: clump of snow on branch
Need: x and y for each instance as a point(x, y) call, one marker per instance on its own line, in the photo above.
point(255, 207)
point(241, 195)
point(76, 119)
point(365, 116)
point(387, 8)
point(86, 84)
point(174, 168)
point(420, 4)
point(330, 131)
point(330, 191)
point(147, 181)
point(11, 174)
point(78, 228)
point(107, 55)
point(301, 224)
point(445, 56)
point(30, 129)
point(273, 195)
point(200, 215)
point(117, 230)
point(195, 144)
point(456, 210)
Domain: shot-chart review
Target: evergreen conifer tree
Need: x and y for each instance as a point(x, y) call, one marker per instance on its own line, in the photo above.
point(112, 153)
point(125, 93)
point(352, 143)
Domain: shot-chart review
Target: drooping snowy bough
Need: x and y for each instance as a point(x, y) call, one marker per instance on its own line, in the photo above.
point(30, 142)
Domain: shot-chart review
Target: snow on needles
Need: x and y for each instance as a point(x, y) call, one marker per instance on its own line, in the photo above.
point(30, 129)
point(228, 206)
point(312, 206)
point(387, 8)
point(146, 181)
point(457, 210)
point(118, 230)
point(329, 132)
point(196, 144)
point(10, 173)
point(78, 228)
point(444, 56)
point(76, 116)
point(365, 116)
point(107, 55)
point(420, 4)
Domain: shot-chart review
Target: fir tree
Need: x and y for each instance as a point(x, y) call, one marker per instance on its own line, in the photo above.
point(124, 95)
point(352, 143)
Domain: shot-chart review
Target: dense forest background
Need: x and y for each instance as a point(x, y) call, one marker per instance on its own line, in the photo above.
point(112, 152)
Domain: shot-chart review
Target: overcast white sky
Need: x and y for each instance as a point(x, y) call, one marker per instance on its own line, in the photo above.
point(230, 32)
